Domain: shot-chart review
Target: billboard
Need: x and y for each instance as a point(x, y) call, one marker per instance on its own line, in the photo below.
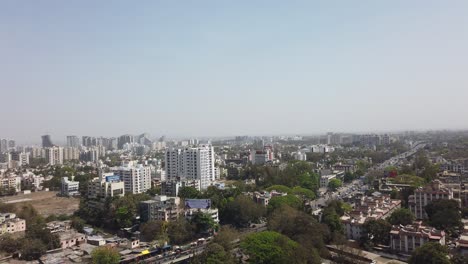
point(198, 203)
point(112, 178)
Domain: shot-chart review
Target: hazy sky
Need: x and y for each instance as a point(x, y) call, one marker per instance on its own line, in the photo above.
point(220, 68)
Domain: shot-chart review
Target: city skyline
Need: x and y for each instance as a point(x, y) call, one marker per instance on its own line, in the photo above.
point(224, 69)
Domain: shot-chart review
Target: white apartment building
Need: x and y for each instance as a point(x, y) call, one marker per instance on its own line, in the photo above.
point(106, 185)
point(368, 208)
point(195, 163)
point(425, 195)
point(213, 212)
point(69, 188)
point(71, 153)
point(300, 156)
point(408, 238)
point(54, 155)
point(171, 188)
point(325, 180)
point(136, 177)
point(161, 208)
point(11, 181)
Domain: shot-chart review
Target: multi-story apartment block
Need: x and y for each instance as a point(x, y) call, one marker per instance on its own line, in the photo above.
point(160, 208)
point(54, 155)
point(192, 164)
point(71, 153)
point(106, 185)
point(125, 139)
point(425, 195)
point(73, 141)
point(213, 212)
point(69, 188)
point(408, 238)
point(367, 208)
point(171, 188)
point(325, 180)
point(8, 182)
point(10, 224)
point(136, 177)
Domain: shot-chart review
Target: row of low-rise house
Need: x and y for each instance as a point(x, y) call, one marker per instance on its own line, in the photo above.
point(17, 178)
point(403, 239)
point(365, 209)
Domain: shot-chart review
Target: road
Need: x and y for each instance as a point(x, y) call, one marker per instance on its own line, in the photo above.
point(347, 189)
point(392, 161)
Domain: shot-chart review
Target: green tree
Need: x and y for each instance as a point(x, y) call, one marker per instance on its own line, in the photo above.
point(242, 211)
point(334, 184)
point(431, 252)
point(270, 247)
point(189, 193)
point(32, 249)
point(105, 255)
point(444, 214)
point(180, 231)
point(152, 230)
point(39, 231)
point(348, 177)
point(332, 220)
point(78, 224)
point(9, 244)
point(302, 228)
point(303, 192)
point(203, 222)
point(401, 216)
point(376, 232)
point(225, 237)
point(214, 254)
point(289, 199)
point(279, 188)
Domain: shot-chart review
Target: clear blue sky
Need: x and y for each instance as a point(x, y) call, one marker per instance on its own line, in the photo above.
point(220, 68)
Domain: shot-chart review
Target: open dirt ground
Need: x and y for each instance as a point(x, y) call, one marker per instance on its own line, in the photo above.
point(46, 203)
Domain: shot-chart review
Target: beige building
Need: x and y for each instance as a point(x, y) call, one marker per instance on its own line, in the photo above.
point(425, 195)
point(408, 238)
point(367, 208)
point(9, 224)
point(160, 207)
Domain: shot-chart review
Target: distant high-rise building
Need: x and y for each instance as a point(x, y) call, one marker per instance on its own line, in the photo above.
point(71, 153)
point(22, 158)
point(3, 145)
point(136, 177)
point(46, 141)
point(196, 163)
point(124, 140)
point(89, 141)
point(11, 144)
point(73, 141)
point(54, 155)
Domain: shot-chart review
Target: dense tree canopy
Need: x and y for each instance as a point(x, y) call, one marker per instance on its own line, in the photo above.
point(105, 255)
point(289, 199)
point(189, 193)
point(334, 184)
point(302, 228)
point(430, 253)
point(401, 216)
point(270, 247)
point(242, 211)
point(376, 232)
point(444, 214)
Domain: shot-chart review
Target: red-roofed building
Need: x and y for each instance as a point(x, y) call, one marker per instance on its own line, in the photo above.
point(408, 238)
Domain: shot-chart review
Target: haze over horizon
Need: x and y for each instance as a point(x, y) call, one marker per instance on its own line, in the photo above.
point(231, 68)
